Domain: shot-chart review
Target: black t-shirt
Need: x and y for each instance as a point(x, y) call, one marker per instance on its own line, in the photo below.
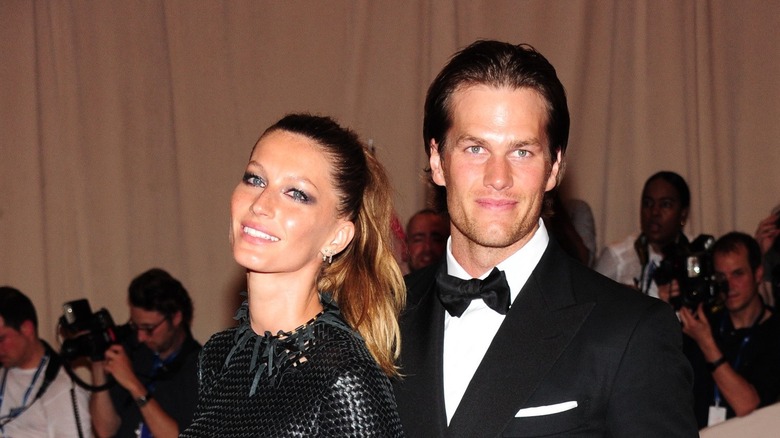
point(753, 352)
point(175, 387)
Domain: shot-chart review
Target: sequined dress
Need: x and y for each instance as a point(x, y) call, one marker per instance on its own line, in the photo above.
point(316, 381)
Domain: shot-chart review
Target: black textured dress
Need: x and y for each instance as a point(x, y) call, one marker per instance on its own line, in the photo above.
point(316, 381)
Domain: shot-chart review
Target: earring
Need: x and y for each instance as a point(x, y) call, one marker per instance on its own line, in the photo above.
point(327, 255)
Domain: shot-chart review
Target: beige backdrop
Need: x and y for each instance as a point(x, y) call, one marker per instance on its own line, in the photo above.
point(126, 124)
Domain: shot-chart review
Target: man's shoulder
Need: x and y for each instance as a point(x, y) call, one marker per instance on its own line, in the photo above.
point(772, 324)
point(615, 299)
point(419, 282)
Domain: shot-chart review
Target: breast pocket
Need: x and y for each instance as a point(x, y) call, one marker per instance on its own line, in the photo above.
point(570, 422)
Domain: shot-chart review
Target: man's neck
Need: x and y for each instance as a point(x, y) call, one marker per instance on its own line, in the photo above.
point(33, 358)
point(478, 259)
point(748, 316)
point(181, 335)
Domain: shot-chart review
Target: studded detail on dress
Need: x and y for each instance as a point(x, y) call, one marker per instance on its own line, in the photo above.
point(316, 381)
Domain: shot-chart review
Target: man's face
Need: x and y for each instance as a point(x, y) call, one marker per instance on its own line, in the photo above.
point(15, 346)
point(426, 239)
point(743, 281)
point(496, 167)
point(154, 330)
point(662, 214)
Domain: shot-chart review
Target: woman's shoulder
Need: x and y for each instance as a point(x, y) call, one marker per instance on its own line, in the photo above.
point(219, 343)
point(339, 346)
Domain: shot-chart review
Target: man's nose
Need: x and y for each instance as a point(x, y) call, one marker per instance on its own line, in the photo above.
point(498, 173)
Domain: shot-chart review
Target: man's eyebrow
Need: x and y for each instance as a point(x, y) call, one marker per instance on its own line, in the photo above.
point(533, 141)
point(471, 139)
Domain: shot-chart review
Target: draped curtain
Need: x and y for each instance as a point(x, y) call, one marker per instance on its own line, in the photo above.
point(126, 124)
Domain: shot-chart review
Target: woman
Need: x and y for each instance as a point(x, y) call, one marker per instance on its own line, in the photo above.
point(317, 337)
point(664, 208)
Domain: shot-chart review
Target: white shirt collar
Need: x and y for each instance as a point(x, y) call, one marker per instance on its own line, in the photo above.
point(517, 267)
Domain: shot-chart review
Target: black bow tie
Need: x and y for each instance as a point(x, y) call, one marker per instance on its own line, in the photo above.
point(456, 294)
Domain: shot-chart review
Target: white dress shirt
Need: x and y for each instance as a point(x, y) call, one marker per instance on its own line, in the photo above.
point(620, 262)
point(466, 339)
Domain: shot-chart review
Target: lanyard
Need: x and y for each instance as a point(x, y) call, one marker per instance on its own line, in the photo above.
point(745, 340)
point(647, 276)
point(15, 412)
point(157, 364)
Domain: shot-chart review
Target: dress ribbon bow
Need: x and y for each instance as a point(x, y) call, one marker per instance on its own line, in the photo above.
point(456, 294)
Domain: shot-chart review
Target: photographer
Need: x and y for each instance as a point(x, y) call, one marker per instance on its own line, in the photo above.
point(37, 397)
point(157, 386)
point(664, 208)
point(735, 352)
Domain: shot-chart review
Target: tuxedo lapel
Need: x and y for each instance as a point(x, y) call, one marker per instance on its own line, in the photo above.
point(420, 395)
point(540, 324)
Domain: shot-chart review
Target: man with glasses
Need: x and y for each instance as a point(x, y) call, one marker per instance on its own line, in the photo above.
point(157, 386)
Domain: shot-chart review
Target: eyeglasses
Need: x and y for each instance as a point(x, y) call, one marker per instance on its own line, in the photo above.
point(147, 329)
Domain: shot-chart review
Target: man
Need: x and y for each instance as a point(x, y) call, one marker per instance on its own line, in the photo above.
point(426, 237)
point(37, 397)
point(735, 353)
point(157, 384)
point(663, 212)
point(575, 354)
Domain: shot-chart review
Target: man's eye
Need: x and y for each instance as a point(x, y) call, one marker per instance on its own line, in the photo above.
point(474, 149)
point(522, 153)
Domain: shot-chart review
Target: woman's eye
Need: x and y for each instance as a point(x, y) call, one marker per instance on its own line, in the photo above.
point(253, 180)
point(298, 195)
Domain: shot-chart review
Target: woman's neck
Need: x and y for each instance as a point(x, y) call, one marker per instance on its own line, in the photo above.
point(280, 302)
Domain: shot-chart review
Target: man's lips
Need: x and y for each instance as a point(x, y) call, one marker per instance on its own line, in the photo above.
point(496, 203)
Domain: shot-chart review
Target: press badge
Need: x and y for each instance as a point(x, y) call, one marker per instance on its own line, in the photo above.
point(717, 415)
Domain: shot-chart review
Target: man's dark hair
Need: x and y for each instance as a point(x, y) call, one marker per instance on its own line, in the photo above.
point(16, 308)
point(676, 181)
point(156, 290)
point(499, 65)
point(731, 242)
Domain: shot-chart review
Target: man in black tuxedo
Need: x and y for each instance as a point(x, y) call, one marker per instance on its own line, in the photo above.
point(547, 347)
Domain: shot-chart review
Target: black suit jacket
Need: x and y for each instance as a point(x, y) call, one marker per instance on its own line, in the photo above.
point(570, 335)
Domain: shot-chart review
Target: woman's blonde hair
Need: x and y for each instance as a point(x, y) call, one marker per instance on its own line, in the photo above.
point(364, 279)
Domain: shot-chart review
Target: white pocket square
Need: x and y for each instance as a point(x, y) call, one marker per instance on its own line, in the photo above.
point(546, 410)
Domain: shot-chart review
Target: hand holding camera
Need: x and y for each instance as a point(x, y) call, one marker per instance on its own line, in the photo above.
point(96, 337)
point(117, 364)
point(691, 268)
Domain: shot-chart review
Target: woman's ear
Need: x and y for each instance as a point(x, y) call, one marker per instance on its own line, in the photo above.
point(345, 231)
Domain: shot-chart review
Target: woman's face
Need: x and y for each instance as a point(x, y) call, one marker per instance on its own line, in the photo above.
point(662, 213)
point(283, 212)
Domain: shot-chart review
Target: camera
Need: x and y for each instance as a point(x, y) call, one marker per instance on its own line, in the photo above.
point(691, 264)
point(89, 334)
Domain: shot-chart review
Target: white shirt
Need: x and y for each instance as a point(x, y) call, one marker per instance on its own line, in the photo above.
point(466, 339)
point(50, 416)
point(620, 262)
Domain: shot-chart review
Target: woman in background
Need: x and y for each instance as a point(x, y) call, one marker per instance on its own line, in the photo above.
point(317, 337)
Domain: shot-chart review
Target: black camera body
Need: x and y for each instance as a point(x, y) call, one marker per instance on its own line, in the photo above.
point(693, 267)
point(89, 334)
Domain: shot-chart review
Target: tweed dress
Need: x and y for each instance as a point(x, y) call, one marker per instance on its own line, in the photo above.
point(317, 381)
